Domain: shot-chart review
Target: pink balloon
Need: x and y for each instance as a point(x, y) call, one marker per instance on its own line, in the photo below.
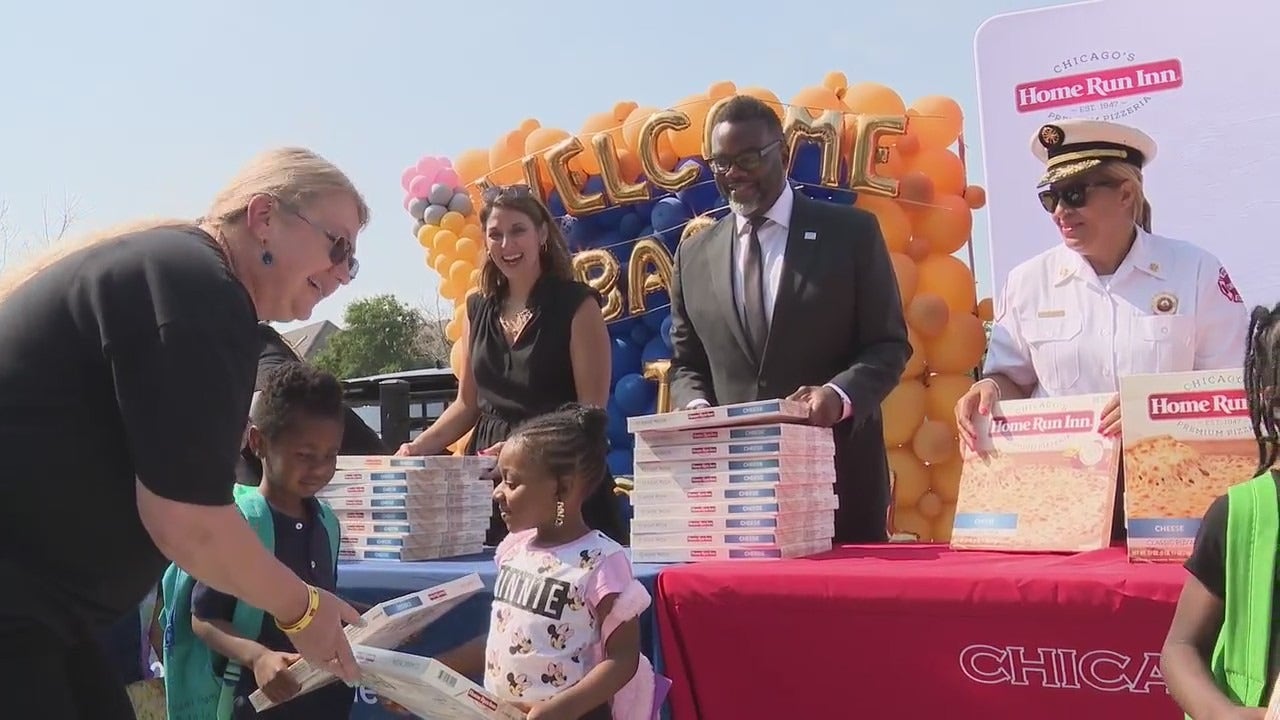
point(446, 163)
point(447, 177)
point(407, 176)
point(420, 186)
point(407, 200)
point(428, 166)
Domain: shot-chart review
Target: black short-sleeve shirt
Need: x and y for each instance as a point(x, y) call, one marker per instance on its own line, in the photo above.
point(1208, 563)
point(133, 359)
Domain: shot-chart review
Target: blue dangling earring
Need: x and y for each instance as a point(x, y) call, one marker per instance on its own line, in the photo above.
point(267, 257)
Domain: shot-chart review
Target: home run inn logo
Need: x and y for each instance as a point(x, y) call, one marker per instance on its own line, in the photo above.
point(1100, 92)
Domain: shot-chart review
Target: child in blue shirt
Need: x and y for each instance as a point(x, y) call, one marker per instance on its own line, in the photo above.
point(296, 430)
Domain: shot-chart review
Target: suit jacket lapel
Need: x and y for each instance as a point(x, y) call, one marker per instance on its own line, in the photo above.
point(797, 258)
point(721, 260)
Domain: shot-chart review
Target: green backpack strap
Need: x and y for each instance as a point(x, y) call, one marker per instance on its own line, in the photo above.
point(1240, 656)
point(192, 690)
point(330, 521)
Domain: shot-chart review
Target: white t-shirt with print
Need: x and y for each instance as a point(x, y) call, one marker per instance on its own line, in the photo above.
point(543, 630)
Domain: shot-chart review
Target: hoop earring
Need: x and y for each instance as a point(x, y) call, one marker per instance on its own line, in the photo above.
point(559, 513)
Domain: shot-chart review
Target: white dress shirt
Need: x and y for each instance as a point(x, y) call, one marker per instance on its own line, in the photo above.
point(773, 247)
point(1169, 307)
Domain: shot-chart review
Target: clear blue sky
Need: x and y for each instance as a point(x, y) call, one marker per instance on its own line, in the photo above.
point(140, 107)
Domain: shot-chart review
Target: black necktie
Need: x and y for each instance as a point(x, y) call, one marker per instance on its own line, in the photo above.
point(757, 321)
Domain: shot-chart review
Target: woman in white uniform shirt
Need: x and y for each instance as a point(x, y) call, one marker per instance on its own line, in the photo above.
point(1112, 299)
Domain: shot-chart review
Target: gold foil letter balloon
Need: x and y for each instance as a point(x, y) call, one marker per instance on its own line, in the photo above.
point(648, 271)
point(862, 164)
point(660, 372)
point(599, 269)
point(574, 201)
point(615, 186)
point(824, 130)
point(648, 147)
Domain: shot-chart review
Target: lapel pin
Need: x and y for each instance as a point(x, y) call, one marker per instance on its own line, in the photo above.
point(1164, 303)
point(810, 235)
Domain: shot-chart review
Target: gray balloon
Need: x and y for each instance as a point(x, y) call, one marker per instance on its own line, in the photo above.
point(461, 203)
point(434, 213)
point(440, 194)
point(417, 206)
point(417, 226)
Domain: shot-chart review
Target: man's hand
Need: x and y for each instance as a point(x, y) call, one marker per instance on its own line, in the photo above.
point(825, 406)
point(1109, 425)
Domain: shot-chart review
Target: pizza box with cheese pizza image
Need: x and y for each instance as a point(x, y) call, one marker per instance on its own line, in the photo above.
point(1187, 440)
point(1042, 478)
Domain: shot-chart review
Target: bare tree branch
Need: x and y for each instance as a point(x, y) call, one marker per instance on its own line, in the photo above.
point(55, 225)
point(433, 342)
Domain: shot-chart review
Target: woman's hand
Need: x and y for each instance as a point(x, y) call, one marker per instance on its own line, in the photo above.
point(493, 449)
point(324, 643)
point(977, 401)
point(271, 671)
point(406, 450)
point(1109, 425)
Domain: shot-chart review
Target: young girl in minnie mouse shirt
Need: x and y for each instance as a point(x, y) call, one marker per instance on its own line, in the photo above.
point(564, 635)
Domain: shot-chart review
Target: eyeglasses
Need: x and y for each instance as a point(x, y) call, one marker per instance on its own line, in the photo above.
point(340, 250)
point(494, 193)
point(747, 161)
point(1071, 196)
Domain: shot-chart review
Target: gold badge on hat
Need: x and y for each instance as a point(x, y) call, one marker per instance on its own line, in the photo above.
point(1164, 304)
point(1051, 136)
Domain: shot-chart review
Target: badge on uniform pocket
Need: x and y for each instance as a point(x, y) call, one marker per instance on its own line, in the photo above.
point(1164, 303)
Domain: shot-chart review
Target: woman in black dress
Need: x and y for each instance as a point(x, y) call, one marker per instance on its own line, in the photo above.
point(535, 339)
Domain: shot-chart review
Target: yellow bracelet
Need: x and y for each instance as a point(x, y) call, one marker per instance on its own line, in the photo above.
point(313, 607)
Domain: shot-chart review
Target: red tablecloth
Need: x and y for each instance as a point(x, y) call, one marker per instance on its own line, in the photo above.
point(910, 631)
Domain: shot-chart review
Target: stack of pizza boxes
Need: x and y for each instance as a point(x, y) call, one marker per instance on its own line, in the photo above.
point(1188, 439)
point(749, 481)
point(411, 508)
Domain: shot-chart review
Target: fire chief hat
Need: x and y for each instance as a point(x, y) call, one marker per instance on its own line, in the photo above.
point(1071, 147)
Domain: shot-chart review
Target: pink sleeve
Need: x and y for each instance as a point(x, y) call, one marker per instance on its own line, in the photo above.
point(611, 577)
point(509, 545)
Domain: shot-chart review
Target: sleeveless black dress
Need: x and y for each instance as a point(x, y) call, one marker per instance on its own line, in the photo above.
point(532, 377)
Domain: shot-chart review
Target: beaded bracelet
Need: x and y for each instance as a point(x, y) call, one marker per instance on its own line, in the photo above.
point(313, 607)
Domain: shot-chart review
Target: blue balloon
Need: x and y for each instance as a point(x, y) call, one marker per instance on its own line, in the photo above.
point(668, 218)
point(664, 332)
point(626, 357)
point(633, 394)
point(806, 164)
point(609, 240)
point(630, 225)
point(621, 462)
point(617, 427)
point(580, 236)
point(555, 206)
point(659, 304)
point(655, 349)
point(640, 334)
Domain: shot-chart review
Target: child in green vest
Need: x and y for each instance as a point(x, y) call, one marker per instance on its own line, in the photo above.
point(1221, 656)
point(219, 650)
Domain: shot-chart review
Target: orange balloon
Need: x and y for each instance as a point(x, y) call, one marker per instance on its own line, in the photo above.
point(936, 121)
point(941, 166)
point(623, 109)
point(958, 348)
point(629, 165)
point(460, 273)
point(446, 243)
point(944, 479)
point(722, 89)
point(894, 223)
point(427, 235)
point(907, 520)
point(935, 441)
point(453, 330)
point(815, 100)
point(918, 248)
point(767, 97)
point(944, 524)
point(910, 477)
point(594, 125)
point(474, 232)
point(504, 159)
point(441, 266)
point(453, 221)
point(688, 142)
point(930, 506)
point(915, 189)
point(528, 125)
point(631, 125)
point(908, 277)
point(466, 248)
point(915, 364)
point(942, 392)
point(927, 314)
point(946, 222)
point(948, 277)
point(873, 99)
point(985, 310)
point(836, 82)
point(471, 165)
point(976, 197)
point(542, 139)
point(903, 411)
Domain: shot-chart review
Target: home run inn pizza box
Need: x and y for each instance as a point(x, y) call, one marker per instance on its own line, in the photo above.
point(1187, 439)
point(752, 413)
point(805, 436)
point(1042, 480)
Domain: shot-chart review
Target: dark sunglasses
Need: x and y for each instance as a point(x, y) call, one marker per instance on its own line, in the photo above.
point(747, 161)
point(1073, 196)
point(340, 250)
point(494, 193)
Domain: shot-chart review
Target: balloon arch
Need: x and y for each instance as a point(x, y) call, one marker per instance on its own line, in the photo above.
point(626, 183)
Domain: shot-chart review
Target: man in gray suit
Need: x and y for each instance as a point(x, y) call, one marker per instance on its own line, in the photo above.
point(791, 297)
